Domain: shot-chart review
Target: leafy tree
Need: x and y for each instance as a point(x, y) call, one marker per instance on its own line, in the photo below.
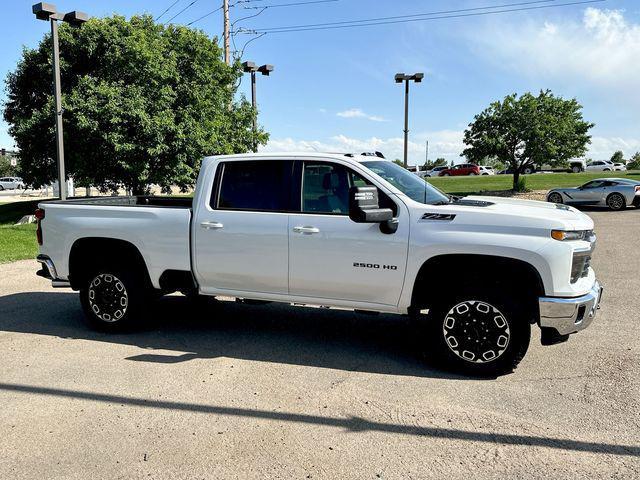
point(528, 131)
point(439, 162)
point(142, 104)
point(618, 157)
point(397, 161)
point(6, 170)
point(634, 162)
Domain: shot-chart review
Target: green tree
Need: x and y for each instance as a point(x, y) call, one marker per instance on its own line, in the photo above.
point(634, 162)
point(6, 170)
point(528, 131)
point(438, 162)
point(618, 157)
point(397, 161)
point(143, 103)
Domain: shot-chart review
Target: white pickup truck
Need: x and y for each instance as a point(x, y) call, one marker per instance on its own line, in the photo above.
point(339, 231)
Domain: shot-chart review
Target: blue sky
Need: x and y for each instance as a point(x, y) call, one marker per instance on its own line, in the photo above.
point(334, 90)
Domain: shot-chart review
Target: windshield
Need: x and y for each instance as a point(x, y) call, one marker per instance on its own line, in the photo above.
point(411, 185)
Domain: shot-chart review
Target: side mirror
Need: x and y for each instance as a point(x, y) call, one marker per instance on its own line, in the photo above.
point(364, 208)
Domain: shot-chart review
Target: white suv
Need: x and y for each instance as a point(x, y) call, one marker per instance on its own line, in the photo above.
point(600, 166)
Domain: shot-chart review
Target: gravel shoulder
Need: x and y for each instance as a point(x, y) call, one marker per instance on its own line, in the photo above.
point(240, 391)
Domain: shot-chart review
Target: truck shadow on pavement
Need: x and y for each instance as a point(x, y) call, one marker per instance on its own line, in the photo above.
point(313, 337)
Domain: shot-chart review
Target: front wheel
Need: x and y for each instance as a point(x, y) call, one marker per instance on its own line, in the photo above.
point(113, 299)
point(479, 334)
point(576, 169)
point(554, 197)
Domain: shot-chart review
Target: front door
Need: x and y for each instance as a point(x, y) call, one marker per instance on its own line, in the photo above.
point(332, 257)
point(241, 239)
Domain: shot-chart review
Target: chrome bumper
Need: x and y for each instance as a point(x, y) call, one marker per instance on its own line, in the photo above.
point(48, 270)
point(570, 315)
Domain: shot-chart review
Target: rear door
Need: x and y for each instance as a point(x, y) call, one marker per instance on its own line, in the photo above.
point(241, 236)
point(332, 257)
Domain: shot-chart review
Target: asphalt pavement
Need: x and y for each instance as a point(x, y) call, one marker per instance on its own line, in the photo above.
point(242, 391)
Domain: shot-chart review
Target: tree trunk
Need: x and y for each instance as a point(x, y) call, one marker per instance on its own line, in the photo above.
point(516, 177)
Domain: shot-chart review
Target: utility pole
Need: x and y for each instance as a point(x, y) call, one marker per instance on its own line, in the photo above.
point(250, 67)
point(225, 8)
point(426, 155)
point(399, 78)
point(47, 11)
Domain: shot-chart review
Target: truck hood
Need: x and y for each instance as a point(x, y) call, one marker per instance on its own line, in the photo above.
point(570, 217)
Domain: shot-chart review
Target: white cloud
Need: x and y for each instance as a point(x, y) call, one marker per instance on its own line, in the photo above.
point(602, 50)
point(603, 147)
point(442, 143)
point(358, 113)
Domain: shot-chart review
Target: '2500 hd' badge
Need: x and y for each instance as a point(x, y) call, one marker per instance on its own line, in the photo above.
point(375, 265)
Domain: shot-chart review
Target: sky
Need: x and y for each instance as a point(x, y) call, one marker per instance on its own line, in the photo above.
point(333, 89)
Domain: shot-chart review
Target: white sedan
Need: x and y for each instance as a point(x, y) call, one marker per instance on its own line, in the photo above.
point(600, 166)
point(484, 170)
point(11, 183)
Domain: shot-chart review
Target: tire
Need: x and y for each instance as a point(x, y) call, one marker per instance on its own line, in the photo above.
point(485, 174)
point(446, 175)
point(527, 171)
point(616, 202)
point(114, 298)
point(576, 169)
point(497, 328)
point(1, 188)
point(555, 197)
point(473, 174)
point(606, 170)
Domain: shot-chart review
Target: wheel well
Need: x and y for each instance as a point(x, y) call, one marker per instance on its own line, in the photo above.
point(86, 253)
point(444, 273)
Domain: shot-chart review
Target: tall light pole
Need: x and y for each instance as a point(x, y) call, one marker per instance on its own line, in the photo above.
point(47, 11)
point(250, 67)
point(401, 77)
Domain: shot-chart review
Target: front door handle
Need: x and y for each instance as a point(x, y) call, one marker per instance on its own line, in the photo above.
point(306, 230)
point(211, 225)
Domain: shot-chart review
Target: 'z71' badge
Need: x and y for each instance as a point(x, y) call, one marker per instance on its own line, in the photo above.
point(375, 265)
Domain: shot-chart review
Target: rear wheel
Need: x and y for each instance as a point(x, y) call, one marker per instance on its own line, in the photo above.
point(615, 201)
point(554, 197)
point(527, 170)
point(576, 169)
point(445, 174)
point(478, 333)
point(113, 299)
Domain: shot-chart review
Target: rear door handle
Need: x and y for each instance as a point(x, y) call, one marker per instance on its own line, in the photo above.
point(211, 225)
point(306, 230)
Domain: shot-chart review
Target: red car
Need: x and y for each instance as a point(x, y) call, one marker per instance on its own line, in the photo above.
point(462, 169)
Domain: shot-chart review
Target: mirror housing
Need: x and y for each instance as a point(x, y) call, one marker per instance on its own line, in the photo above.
point(364, 207)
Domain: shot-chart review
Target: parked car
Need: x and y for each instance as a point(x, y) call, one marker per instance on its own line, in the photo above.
point(462, 169)
point(615, 193)
point(11, 183)
point(435, 171)
point(619, 167)
point(349, 232)
point(485, 170)
point(600, 166)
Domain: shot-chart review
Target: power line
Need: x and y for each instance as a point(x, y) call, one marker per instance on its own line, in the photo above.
point(181, 11)
point(430, 16)
point(168, 8)
point(293, 4)
point(204, 16)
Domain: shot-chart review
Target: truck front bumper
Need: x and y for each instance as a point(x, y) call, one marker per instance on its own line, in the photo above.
point(570, 315)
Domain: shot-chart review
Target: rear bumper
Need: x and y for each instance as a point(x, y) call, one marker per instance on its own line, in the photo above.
point(570, 315)
point(48, 270)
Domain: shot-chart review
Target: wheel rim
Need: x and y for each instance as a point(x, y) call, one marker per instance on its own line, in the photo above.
point(555, 198)
point(615, 202)
point(476, 331)
point(108, 297)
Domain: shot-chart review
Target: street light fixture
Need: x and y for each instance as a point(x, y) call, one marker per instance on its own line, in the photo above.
point(47, 11)
point(399, 78)
point(250, 67)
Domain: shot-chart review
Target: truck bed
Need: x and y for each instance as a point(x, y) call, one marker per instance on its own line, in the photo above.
point(159, 227)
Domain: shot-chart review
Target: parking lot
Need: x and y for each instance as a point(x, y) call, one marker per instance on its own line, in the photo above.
point(240, 391)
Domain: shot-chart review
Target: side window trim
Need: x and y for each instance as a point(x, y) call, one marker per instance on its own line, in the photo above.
point(217, 188)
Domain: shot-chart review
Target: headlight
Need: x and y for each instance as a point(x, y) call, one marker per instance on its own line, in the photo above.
point(567, 235)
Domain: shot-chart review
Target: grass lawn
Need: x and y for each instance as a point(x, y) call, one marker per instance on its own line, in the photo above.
point(538, 181)
point(17, 242)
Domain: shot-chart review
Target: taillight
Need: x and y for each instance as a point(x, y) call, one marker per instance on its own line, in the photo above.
point(39, 216)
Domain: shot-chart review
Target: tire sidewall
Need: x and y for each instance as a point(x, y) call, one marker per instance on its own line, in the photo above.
point(137, 299)
point(623, 205)
point(520, 335)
